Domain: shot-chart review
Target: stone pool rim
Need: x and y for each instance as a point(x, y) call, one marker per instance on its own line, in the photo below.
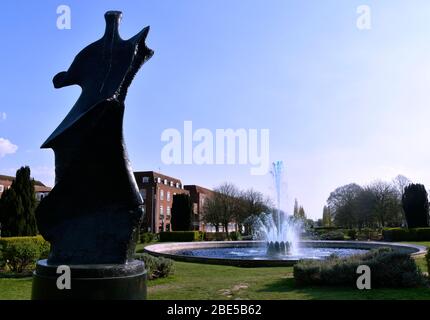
point(168, 249)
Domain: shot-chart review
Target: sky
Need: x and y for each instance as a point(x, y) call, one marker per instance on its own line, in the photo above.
point(342, 104)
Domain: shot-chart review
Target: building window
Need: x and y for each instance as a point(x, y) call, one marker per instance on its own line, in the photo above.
point(177, 185)
point(161, 212)
point(159, 180)
point(143, 193)
point(168, 195)
point(1, 188)
point(168, 211)
point(145, 179)
point(171, 183)
point(165, 182)
point(161, 194)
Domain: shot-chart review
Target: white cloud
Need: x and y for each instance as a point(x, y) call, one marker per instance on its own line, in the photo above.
point(3, 116)
point(7, 147)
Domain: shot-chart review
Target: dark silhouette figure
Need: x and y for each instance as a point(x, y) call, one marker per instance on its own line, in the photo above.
point(92, 214)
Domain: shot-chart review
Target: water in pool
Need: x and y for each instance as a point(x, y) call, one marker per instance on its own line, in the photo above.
point(260, 253)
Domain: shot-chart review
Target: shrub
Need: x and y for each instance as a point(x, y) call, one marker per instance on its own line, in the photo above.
point(404, 234)
point(388, 269)
point(147, 237)
point(21, 253)
point(352, 234)
point(332, 235)
point(428, 261)
point(180, 236)
point(369, 234)
point(157, 267)
point(235, 236)
point(215, 236)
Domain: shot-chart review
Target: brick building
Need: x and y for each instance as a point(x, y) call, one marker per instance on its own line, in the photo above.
point(157, 191)
point(198, 196)
point(39, 188)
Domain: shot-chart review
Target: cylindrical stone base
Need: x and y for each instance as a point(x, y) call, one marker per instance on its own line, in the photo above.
point(90, 282)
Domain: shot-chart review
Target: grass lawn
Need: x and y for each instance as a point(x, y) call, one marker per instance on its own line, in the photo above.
point(201, 281)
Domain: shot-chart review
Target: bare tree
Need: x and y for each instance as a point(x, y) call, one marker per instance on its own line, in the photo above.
point(401, 182)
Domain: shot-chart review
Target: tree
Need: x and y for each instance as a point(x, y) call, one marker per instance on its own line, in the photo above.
point(182, 213)
point(415, 205)
point(326, 220)
point(342, 203)
point(401, 182)
point(17, 206)
point(224, 207)
point(386, 207)
point(296, 208)
point(252, 204)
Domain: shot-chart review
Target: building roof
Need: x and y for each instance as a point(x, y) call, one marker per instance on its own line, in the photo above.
point(153, 174)
point(198, 189)
point(10, 179)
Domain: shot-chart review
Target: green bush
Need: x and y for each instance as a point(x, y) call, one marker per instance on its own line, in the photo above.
point(404, 234)
point(215, 236)
point(157, 267)
point(352, 234)
point(388, 269)
point(180, 236)
point(333, 235)
point(428, 261)
point(147, 237)
point(21, 253)
point(235, 236)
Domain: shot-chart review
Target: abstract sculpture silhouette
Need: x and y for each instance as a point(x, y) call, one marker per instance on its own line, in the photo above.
point(92, 214)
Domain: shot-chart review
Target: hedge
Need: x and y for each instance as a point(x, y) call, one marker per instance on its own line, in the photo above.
point(389, 268)
point(180, 236)
point(21, 253)
point(157, 267)
point(404, 234)
point(215, 236)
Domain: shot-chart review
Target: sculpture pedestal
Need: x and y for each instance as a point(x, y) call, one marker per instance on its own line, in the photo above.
point(91, 282)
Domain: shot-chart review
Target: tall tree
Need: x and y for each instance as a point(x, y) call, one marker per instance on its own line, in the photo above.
point(182, 213)
point(224, 207)
point(416, 206)
point(326, 220)
point(386, 206)
point(343, 205)
point(401, 182)
point(17, 206)
point(251, 204)
point(296, 208)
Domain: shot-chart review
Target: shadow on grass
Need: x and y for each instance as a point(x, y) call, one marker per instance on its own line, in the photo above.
point(291, 290)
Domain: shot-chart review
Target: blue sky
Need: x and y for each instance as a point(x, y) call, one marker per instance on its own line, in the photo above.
point(342, 104)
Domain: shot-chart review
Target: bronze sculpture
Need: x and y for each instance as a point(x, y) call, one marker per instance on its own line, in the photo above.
point(92, 214)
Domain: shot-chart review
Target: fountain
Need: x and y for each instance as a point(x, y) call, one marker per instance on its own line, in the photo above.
point(279, 231)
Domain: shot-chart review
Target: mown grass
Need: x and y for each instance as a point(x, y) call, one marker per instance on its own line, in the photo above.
point(201, 281)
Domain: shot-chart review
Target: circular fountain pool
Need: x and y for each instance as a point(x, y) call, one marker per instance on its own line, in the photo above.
point(254, 253)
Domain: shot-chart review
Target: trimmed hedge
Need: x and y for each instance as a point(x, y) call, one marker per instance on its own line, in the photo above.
point(21, 253)
point(389, 268)
point(332, 235)
point(404, 234)
point(235, 236)
point(157, 267)
point(180, 236)
point(215, 236)
point(147, 237)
